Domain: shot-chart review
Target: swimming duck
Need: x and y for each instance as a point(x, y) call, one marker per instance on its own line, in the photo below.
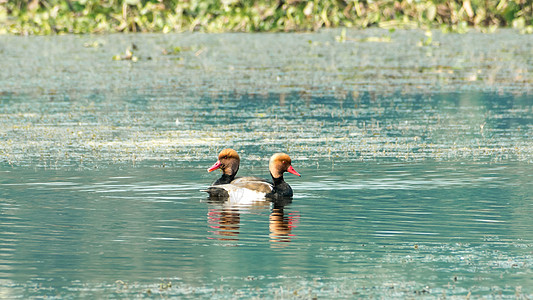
point(256, 188)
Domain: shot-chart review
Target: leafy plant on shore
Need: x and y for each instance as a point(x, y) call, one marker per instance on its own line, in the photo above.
point(97, 16)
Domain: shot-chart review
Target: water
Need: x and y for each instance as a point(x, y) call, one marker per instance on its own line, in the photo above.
point(389, 229)
point(416, 176)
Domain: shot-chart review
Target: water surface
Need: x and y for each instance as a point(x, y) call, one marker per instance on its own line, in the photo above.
point(367, 229)
point(415, 162)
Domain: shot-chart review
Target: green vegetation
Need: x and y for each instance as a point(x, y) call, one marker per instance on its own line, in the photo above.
point(99, 16)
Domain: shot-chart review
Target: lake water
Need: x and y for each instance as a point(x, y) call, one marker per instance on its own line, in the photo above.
point(416, 166)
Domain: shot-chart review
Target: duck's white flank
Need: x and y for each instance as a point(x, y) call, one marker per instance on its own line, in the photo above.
point(247, 189)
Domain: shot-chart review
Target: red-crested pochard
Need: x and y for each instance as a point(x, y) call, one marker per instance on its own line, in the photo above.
point(254, 187)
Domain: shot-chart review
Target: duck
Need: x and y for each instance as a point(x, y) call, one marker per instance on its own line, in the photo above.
point(255, 188)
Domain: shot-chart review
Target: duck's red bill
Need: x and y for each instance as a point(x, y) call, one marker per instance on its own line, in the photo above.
point(293, 171)
point(214, 167)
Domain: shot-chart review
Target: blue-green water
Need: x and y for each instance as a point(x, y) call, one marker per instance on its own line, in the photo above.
point(416, 170)
point(367, 229)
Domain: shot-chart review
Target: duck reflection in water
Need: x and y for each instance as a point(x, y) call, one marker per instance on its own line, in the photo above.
point(281, 224)
point(225, 223)
point(224, 219)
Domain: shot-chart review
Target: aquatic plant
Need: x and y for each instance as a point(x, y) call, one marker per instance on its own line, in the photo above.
point(98, 16)
point(127, 55)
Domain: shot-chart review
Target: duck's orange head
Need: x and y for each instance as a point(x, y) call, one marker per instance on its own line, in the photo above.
point(228, 161)
point(279, 164)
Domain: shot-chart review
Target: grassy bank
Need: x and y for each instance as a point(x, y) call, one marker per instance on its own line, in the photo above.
point(99, 16)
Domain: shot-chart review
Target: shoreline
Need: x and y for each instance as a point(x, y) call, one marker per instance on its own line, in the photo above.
point(47, 17)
